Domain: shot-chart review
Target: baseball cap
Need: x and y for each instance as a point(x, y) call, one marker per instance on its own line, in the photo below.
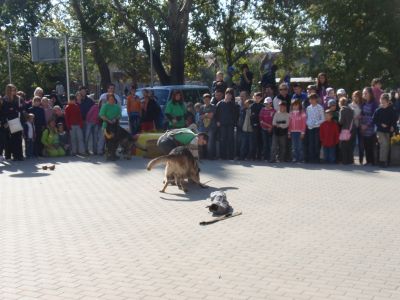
point(341, 92)
point(267, 100)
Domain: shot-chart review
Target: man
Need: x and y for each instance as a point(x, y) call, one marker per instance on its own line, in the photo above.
point(282, 96)
point(85, 105)
point(110, 90)
point(218, 96)
point(182, 137)
point(246, 79)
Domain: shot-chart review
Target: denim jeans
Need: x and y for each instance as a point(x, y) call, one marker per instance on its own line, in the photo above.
point(134, 122)
point(313, 144)
point(245, 145)
point(297, 146)
point(77, 142)
point(92, 136)
point(267, 143)
point(330, 154)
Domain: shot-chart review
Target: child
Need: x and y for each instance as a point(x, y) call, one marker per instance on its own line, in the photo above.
point(247, 129)
point(297, 130)
point(63, 138)
point(93, 128)
point(197, 108)
point(330, 95)
point(48, 110)
point(280, 125)
point(74, 122)
point(385, 121)
point(329, 136)
point(332, 106)
point(29, 135)
point(266, 116)
point(315, 117)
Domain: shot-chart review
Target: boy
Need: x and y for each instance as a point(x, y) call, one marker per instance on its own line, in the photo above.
point(332, 106)
point(29, 135)
point(315, 117)
point(256, 136)
point(280, 125)
point(246, 145)
point(63, 138)
point(385, 121)
point(329, 136)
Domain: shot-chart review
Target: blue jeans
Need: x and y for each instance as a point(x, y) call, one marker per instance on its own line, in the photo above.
point(212, 143)
point(330, 154)
point(134, 122)
point(28, 148)
point(313, 144)
point(92, 136)
point(246, 145)
point(267, 143)
point(297, 146)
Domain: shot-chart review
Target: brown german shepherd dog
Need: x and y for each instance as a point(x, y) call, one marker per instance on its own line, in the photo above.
point(180, 164)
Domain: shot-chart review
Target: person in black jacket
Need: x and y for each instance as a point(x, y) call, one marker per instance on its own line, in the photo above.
point(150, 113)
point(12, 107)
point(385, 121)
point(225, 116)
point(40, 125)
point(256, 137)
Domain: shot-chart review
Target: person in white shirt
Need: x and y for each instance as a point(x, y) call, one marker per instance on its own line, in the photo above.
point(110, 90)
point(315, 117)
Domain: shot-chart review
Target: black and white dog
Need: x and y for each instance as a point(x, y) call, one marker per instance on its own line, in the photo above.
point(116, 136)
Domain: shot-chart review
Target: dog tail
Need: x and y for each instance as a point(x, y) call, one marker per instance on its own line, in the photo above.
point(157, 161)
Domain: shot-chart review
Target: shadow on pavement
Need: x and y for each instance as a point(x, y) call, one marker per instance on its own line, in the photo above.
point(195, 193)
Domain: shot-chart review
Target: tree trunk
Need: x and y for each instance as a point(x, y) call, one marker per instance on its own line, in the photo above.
point(105, 77)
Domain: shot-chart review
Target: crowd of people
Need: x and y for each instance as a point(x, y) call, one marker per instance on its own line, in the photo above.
point(281, 123)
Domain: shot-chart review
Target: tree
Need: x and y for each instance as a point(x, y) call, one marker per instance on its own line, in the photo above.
point(167, 23)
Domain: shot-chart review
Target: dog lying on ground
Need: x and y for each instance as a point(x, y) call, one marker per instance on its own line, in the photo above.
point(116, 136)
point(180, 165)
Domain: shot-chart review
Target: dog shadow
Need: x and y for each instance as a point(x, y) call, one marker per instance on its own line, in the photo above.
point(196, 193)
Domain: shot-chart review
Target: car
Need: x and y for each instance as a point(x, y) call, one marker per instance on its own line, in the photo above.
point(162, 94)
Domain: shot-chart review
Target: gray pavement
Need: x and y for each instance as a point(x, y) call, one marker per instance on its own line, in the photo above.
point(96, 230)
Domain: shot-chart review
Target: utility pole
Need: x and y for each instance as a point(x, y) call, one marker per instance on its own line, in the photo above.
point(9, 59)
point(83, 63)
point(67, 65)
point(151, 59)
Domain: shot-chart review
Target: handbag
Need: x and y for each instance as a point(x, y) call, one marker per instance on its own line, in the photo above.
point(15, 125)
point(345, 134)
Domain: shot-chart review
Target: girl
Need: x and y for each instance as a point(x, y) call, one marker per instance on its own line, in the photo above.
point(322, 85)
point(346, 121)
point(297, 130)
point(50, 140)
point(355, 105)
point(266, 116)
point(367, 125)
point(48, 110)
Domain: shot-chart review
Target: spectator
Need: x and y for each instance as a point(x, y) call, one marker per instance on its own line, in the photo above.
point(12, 107)
point(60, 90)
point(282, 96)
point(243, 96)
point(48, 110)
point(280, 125)
point(332, 106)
point(315, 117)
point(247, 129)
point(256, 135)
point(225, 118)
point(346, 121)
point(59, 116)
point(246, 79)
point(376, 86)
point(385, 121)
point(50, 141)
point(329, 136)
point(355, 105)
point(110, 90)
point(175, 111)
point(40, 124)
point(322, 85)
point(218, 96)
point(150, 112)
point(74, 122)
point(63, 138)
point(29, 135)
point(341, 93)
point(297, 129)
point(330, 95)
point(367, 125)
point(133, 107)
point(93, 130)
point(268, 71)
point(208, 125)
point(266, 116)
point(85, 105)
point(219, 83)
point(38, 93)
point(299, 95)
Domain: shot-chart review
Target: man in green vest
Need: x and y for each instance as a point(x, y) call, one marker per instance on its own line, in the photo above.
point(182, 137)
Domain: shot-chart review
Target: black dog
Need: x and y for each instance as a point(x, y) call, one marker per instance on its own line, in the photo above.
point(116, 136)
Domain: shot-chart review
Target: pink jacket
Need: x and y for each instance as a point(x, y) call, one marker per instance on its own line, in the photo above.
point(266, 115)
point(93, 115)
point(297, 121)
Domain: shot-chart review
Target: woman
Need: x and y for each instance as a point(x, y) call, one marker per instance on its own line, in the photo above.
point(150, 112)
point(322, 85)
point(367, 125)
point(346, 121)
point(175, 111)
point(355, 105)
point(50, 140)
point(110, 113)
point(12, 107)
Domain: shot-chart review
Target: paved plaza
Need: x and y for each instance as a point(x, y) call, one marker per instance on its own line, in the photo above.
point(96, 230)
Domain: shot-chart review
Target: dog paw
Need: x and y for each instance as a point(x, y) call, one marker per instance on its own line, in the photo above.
point(161, 191)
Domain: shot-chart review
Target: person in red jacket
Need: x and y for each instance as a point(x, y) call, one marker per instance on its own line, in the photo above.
point(74, 122)
point(329, 137)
